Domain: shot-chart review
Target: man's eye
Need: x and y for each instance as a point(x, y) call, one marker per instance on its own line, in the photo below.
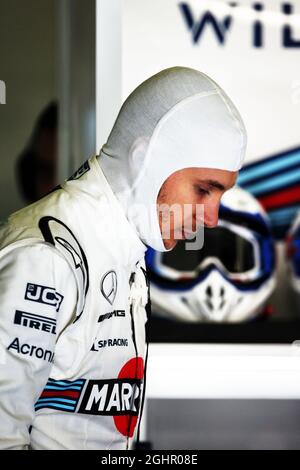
point(202, 191)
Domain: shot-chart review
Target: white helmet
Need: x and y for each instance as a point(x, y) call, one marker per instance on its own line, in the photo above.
point(229, 279)
point(293, 253)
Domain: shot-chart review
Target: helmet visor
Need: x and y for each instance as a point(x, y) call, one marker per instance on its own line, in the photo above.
point(232, 248)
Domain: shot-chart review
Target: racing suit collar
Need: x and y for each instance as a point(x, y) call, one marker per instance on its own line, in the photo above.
point(135, 246)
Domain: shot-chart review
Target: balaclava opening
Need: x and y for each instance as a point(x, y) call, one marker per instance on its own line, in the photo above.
point(179, 118)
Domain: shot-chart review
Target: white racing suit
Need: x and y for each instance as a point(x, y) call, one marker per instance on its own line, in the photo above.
point(74, 302)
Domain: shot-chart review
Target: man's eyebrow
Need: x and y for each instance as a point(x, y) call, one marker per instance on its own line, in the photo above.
point(214, 184)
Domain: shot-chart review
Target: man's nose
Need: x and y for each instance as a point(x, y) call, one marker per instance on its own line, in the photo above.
point(211, 216)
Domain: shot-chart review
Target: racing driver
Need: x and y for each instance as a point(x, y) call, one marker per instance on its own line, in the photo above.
point(74, 294)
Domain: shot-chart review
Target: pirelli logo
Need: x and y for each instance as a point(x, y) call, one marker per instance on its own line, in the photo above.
point(36, 322)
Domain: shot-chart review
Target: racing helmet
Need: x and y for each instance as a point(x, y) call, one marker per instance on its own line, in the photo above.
point(293, 253)
point(229, 279)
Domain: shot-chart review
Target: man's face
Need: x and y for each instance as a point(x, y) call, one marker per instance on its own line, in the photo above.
point(191, 187)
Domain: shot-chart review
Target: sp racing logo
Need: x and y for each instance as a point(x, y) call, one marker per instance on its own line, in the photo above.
point(119, 397)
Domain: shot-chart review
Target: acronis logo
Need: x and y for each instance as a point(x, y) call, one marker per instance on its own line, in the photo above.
point(2, 92)
point(222, 26)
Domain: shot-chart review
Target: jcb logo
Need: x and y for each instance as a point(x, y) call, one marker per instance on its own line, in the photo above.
point(2, 92)
point(43, 295)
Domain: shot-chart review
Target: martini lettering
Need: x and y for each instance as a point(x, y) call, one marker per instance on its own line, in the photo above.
point(112, 397)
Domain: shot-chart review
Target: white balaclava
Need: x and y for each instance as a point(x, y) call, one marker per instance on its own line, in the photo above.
point(179, 118)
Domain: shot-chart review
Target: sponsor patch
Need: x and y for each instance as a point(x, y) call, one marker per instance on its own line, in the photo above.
point(111, 397)
point(109, 285)
point(36, 322)
point(43, 295)
point(115, 313)
point(119, 398)
point(60, 395)
point(81, 171)
point(110, 342)
point(30, 350)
